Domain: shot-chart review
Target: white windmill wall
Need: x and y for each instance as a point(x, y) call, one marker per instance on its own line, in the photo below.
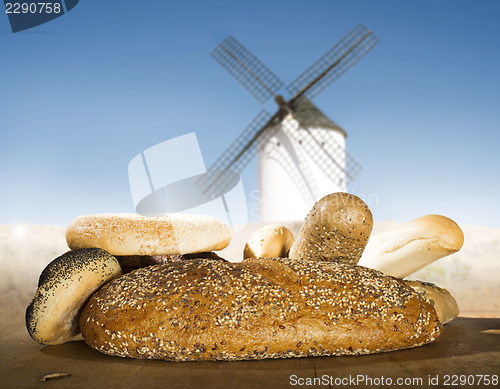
point(290, 182)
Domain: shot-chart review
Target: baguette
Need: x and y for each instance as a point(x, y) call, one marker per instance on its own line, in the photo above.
point(204, 309)
point(413, 245)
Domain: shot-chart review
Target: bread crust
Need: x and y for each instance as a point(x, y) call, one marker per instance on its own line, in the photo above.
point(203, 309)
point(336, 229)
point(132, 234)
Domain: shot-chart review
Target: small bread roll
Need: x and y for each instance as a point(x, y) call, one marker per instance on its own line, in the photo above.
point(271, 241)
point(131, 234)
point(336, 229)
point(411, 246)
point(441, 299)
point(63, 289)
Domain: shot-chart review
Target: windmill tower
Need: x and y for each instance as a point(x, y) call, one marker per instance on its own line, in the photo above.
point(301, 152)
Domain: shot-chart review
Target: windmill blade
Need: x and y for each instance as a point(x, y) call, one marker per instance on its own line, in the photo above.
point(237, 156)
point(334, 63)
point(327, 154)
point(247, 69)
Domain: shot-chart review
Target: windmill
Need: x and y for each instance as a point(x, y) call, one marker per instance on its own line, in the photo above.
point(301, 152)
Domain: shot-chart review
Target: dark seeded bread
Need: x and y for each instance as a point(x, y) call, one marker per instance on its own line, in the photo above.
point(130, 263)
point(203, 309)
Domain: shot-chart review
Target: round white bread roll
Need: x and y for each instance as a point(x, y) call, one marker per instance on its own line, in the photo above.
point(271, 241)
point(63, 289)
point(441, 299)
point(132, 234)
point(413, 245)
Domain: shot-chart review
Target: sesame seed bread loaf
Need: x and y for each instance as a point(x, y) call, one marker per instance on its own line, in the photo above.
point(336, 229)
point(131, 234)
point(205, 309)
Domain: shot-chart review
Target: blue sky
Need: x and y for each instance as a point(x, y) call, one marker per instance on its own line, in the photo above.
point(85, 93)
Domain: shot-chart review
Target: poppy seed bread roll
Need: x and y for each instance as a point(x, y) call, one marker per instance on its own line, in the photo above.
point(336, 229)
point(63, 289)
point(205, 309)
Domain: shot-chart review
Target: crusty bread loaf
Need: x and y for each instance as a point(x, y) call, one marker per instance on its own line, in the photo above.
point(272, 240)
point(260, 308)
point(131, 234)
point(441, 299)
point(336, 229)
point(413, 245)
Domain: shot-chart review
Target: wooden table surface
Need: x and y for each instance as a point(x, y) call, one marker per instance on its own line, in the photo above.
point(468, 346)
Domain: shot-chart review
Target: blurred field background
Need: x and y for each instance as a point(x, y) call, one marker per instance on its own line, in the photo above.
point(472, 275)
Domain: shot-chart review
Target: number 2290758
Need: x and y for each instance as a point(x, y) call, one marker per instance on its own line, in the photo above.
point(32, 8)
